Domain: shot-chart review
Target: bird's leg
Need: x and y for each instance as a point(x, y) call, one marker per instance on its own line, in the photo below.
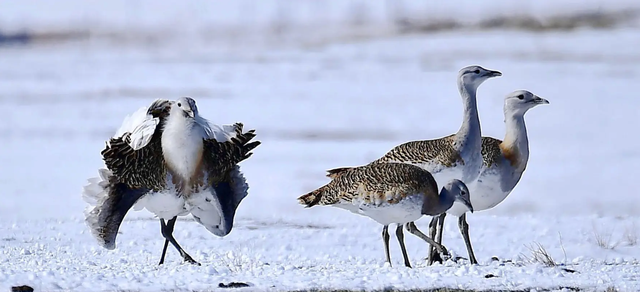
point(433, 224)
point(413, 229)
point(440, 227)
point(434, 257)
point(167, 232)
point(163, 226)
point(385, 240)
point(464, 229)
point(400, 236)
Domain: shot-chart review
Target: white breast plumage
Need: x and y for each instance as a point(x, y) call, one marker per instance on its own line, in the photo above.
point(182, 148)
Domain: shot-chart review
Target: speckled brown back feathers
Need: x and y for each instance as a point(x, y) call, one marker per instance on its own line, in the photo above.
point(437, 151)
point(333, 173)
point(374, 183)
point(440, 151)
point(490, 151)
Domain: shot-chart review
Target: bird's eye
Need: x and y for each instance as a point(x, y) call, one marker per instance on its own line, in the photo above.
point(179, 104)
point(521, 96)
point(477, 71)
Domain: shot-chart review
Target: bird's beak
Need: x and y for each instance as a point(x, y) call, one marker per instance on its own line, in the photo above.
point(190, 113)
point(468, 204)
point(540, 100)
point(491, 73)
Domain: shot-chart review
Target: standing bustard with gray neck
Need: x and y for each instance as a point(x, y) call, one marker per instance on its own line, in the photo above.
point(455, 156)
point(169, 160)
point(390, 193)
point(504, 162)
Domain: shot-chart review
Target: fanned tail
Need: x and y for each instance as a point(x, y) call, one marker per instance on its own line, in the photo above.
point(94, 192)
point(108, 204)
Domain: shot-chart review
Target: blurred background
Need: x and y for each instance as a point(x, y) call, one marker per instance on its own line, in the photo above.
point(326, 83)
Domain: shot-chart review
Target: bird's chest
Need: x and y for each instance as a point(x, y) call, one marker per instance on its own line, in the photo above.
point(471, 161)
point(493, 185)
point(183, 155)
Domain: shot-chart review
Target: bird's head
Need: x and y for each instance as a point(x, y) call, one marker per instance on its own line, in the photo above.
point(460, 192)
point(186, 106)
point(473, 76)
point(520, 101)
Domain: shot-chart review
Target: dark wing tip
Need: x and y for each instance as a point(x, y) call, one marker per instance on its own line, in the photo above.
point(223, 156)
point(238, 128)
point(243, 138)
point(241, 141)
point(252, 145)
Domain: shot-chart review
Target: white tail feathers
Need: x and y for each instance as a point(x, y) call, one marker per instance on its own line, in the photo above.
point(95, 194)
point(95, 191)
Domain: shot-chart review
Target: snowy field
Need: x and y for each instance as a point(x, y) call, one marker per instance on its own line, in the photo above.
point(338, 102)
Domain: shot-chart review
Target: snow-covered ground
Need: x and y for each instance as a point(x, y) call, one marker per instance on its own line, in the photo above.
point(317, 107)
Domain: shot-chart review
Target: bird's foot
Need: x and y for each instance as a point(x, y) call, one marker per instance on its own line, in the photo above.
point(439, 256)
point(444, 254)
point(435, 257)
point(188, 259)
point(459, 259)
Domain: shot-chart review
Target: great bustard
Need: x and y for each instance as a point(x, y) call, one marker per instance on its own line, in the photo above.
point(390, 193)
point(504, 162)
point(169, 160)
point(455, 156)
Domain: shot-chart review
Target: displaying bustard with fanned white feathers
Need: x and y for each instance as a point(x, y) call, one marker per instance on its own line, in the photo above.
point(455, 156)
point(504, 162)
point(390, 193)
point(169, 160)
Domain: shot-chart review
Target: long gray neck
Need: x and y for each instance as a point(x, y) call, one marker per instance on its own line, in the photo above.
point(516, 140)
point(470, 128)
point(470, 122)
point(468, 140)
point(445, 202)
